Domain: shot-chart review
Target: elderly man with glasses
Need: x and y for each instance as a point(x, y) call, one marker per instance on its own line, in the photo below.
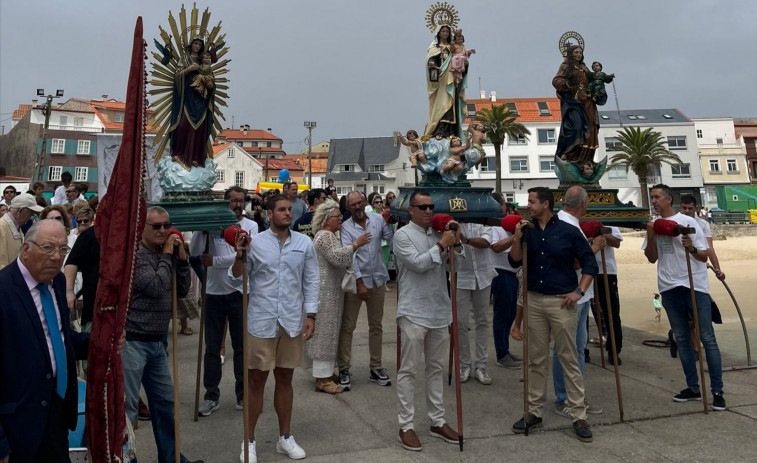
point(22, 208)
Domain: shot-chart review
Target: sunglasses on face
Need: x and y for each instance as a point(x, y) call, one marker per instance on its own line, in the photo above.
point(8, 192)
point(378, 201)
point(85, 222)
point(423, 207)
point(157, 226)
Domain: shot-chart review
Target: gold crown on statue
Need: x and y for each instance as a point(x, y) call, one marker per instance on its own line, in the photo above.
point(441, 14)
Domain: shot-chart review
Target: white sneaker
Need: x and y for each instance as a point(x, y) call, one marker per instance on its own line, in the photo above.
point(464, 374)
point(483, 377)
point(290, 448)
point(252, 456)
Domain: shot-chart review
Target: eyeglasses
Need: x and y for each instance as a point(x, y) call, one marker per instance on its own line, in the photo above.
point(378, 201)
point(70, 191)
point(423, 207)
point(9, 192)
point(339, 216)
point(85, 222)
point(236, 201)
point(50, 249)
point(157, 226)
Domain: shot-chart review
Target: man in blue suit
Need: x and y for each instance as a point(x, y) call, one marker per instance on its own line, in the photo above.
point(38, 392)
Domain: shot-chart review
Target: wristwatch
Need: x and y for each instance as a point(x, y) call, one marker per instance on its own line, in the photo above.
point(580, 291)
point(693, 250)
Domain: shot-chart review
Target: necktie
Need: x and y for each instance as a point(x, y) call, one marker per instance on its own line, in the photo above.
point(59, 350)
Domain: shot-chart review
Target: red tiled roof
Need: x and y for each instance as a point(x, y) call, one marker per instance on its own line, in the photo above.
point(218, 148)
point(108, 104)
point(528, 110)
point(252, 134)
point(21, 111)
point(278, 164)
point(318, 165)
point(746, 132)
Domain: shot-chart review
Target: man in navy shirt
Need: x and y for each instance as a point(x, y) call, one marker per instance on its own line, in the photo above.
point(553, 247)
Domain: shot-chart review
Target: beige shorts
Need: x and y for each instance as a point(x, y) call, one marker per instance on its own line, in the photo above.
point(282, 351)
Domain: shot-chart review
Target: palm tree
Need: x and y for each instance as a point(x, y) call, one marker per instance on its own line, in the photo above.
point(640, 151)
point(499, 123)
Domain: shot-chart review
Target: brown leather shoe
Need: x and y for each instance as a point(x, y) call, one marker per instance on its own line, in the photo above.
point(327, 386)
point(445, 433)
point(409, 440)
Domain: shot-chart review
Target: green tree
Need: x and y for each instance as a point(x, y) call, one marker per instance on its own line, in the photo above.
point(640, 151)
point(500, 123)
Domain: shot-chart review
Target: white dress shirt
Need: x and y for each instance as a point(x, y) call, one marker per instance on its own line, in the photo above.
point(499, 259)
point(476, 270)
point(219, 283)
point(279, 276)
point(368, 261)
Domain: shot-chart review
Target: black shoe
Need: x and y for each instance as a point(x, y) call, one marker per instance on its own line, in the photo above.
point(673, 345)
point(344, 380)
point(581, 427)
point(687, 394)
point(380, 377)
point(534, 422)
point(587, 357)
point(609, 359)
point(718, 402)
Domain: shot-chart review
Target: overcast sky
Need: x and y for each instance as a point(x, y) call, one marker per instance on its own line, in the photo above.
point(357, 67)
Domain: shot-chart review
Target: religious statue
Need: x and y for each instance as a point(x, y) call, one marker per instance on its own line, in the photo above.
point(579, 96)
point(187, 78)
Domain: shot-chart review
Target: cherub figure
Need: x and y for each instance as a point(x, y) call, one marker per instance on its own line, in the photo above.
point(456, 160)
point(597, 80)
point(460, 56)
point(587, 170)
point(477, 136)
point(204, 80)
point(416, 147)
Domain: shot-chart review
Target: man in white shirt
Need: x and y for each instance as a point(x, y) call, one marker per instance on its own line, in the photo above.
point(613, 241)
point(689, 207)
point(423, 314)
point(9, 193)
point(474, 279)
point(574, 207)
point(673, 283)
point(59, 197)
point(283, 271)
point(370, 276)
point(224, 302)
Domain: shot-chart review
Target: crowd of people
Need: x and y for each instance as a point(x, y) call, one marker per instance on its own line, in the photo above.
point(311, 265)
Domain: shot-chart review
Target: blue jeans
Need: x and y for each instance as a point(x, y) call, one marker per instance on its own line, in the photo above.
point(505, 292)
point(218, 309)
point(677, 303)
point(145, 363)
point(582, 337)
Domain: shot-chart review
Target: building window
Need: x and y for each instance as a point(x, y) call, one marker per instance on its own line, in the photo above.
point(546, 164)
point(239, 178)
point(489, 165)
point(53, 173)
point(512, 108)
point(240, 144)
point(63, 120)
point(617, 173)
point(80, 174)
point(733, 167)
point(378, 189)
point(253, 144)
point(376, 168)
point(273, 179)
point(82, 147)
point(268, 144)
point(221, 177)
point(677, 143)
point(714, 166)
point(348, 168)
point(343, 190)
point(681, 170)
point(518, 140)
point(543, 108)
point(78, 122)
point(58, 146)
point(509, 197)
point(230, 153)
point(612, 142)
point(119, 117)
point(546, 135)
point(518, 164)
point(719, 142)
point(471, 110)
point(699, 133)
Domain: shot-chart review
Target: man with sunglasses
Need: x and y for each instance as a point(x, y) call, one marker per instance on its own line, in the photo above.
point(424, 313)
point(8, 194)
point(144, 358)
point(21, 209)
point(59, 197)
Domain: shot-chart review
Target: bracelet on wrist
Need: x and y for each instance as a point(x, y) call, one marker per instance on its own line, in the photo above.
point(70, 291)
point(311, 316)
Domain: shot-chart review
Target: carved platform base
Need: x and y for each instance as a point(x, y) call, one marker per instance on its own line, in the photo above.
point(198, 215)
point(605, 206)
point(459, 201)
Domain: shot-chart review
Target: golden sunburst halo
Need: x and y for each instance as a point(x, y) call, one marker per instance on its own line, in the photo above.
point(441, 14)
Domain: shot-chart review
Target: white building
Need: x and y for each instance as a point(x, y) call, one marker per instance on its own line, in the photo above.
point(722, 156)
point(235, 167)
point(680, 133)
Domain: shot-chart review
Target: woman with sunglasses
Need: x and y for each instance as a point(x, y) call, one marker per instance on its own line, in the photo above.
point(59, 213)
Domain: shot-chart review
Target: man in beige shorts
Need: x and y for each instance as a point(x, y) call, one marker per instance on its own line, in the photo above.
point(282, 268)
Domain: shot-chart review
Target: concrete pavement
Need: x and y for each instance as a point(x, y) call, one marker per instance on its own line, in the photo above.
point(361, 425)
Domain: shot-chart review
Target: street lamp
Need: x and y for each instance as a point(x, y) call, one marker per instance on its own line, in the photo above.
point(310, 125)
point(46, 108)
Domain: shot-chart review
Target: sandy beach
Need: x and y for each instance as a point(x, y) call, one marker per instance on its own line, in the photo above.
point(637, 280)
